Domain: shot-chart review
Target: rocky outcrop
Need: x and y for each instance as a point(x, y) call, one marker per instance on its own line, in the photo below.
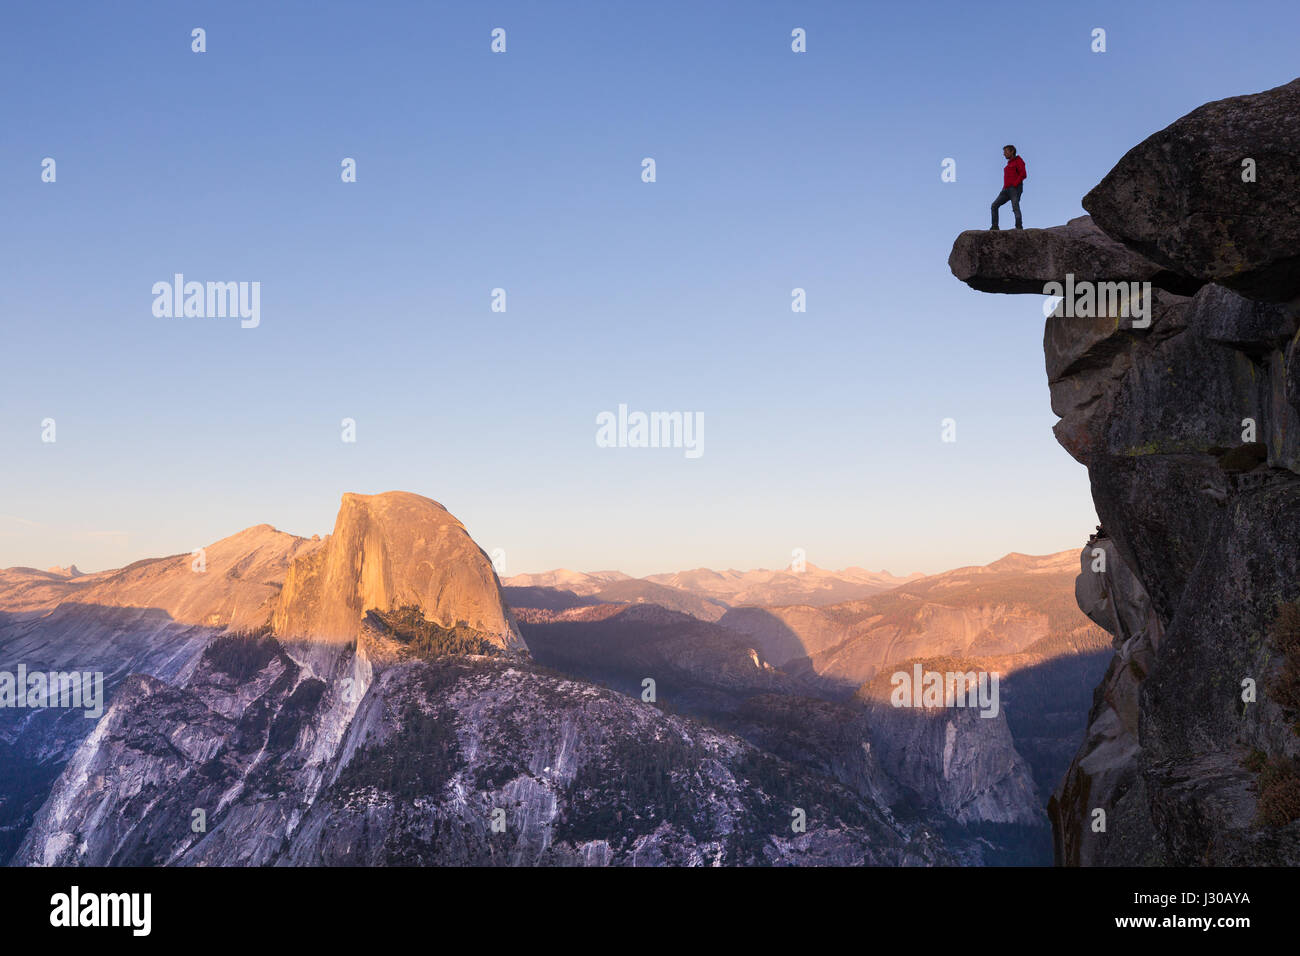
point(393, 550)
point(151, 618)
point(1024, 260)
point(1188, 429)
point(1215, 196)
point(951, 759)
point(145, 627)
point(1104, 771)
point(451, 761)
point(35, 745)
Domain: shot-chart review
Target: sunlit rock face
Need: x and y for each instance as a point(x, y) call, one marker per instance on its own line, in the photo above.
point(153, 617)
point(391, 550)
point(146, 628)
point(1187, 423)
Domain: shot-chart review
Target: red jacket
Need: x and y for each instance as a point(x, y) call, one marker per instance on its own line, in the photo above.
point(1013, 174)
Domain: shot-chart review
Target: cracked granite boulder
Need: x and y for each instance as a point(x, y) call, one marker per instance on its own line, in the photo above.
point(1215, 196)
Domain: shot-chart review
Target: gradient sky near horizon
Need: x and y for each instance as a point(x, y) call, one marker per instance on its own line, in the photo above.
point(523, 171)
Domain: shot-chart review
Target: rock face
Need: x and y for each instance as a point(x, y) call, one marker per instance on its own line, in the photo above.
point(952, 759)
point(1078, 248)
point(981, 780)
point(1188, 429)
point(1180, 199)
point(153, 617)
point(1105, 770)
point(145, 628)
point(451, 761)
point(391, 550)
point(620, 645)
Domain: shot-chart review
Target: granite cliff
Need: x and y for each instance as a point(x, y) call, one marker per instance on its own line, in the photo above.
point(1186, 419)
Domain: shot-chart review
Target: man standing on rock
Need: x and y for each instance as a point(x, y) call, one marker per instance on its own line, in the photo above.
point(1013, 184)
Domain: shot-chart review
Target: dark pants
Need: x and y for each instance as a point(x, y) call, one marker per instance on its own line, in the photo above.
point(1011, 193)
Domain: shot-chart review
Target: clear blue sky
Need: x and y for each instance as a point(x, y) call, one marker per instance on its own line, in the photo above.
point(523, 171)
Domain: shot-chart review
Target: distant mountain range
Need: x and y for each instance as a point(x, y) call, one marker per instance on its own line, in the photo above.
point(705, 593)
point(813, 585)
point(999, 608)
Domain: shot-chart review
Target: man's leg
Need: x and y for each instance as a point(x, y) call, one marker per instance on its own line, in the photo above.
point(999, 201)
point(1015, 205)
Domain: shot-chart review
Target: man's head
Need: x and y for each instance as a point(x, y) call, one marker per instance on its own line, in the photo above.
point(1008, 151)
